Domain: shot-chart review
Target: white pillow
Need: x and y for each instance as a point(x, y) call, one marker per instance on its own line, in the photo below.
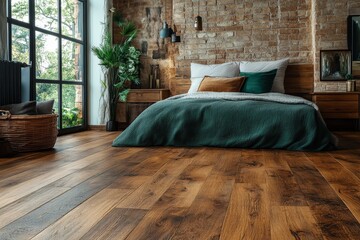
point(265, 66)
point(199, 71)
point(195, 84)
point(230, 69)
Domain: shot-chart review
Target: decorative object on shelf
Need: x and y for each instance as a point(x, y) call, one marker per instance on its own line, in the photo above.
point(157, 83)
point(334, 64)
point(120, 65)
point(198, 19)
point(350, 83)
point(154, 79)
point(151, 76)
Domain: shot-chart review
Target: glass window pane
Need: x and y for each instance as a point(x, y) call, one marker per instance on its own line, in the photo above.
point(47, 61)
point(72, 61)
point(20, 10)
point(46, 14)
point(45, 92)
point(72, 18)
point(20, 44)
point(72, 105)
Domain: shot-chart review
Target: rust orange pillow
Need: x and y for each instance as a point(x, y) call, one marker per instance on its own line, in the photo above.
point(221, 84)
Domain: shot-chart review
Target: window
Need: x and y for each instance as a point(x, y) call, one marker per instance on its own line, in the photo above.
point(51, 36)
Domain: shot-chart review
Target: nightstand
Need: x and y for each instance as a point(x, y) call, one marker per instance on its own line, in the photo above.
point(137, 101)
point(339, 105)
point(147, 95)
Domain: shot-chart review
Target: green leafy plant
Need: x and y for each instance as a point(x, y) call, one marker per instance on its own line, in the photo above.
point(120, 63)
point(70, 117)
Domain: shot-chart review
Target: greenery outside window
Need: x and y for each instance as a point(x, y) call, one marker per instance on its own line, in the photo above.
point(50, 35)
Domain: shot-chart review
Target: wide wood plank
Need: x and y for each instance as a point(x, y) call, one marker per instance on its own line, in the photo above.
point(152, 164)
point(27, 204)
point(248, 215)
point(158, 224)
point(36, 221)
point(166, 214)
point(34, 162)
point(349, 160)
point(13, 193)
point(117, 224)
point(251, 167)
point(40, 218)
point(146, 195)
point(283, 189)
point(289, 222)
point(205, 216)
point(72, 225)
point(345, 184)
point(331, 214)
point(86, 189)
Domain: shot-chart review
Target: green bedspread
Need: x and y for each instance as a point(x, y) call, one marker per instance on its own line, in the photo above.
point(228, 123)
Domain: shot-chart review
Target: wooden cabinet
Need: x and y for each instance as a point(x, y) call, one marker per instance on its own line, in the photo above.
point(137, 101)
point(338, 105)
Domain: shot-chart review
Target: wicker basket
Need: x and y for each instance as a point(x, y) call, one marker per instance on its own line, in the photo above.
point(28, 133)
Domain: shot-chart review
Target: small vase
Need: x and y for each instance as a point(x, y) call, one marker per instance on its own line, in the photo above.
point(111, 126)
point(350, 85)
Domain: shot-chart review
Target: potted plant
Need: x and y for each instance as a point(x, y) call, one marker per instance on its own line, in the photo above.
point(119, 63)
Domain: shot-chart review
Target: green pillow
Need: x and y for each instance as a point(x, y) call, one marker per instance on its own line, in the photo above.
point(258, 82)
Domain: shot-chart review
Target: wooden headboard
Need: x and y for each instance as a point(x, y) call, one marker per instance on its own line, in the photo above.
point(299, 80)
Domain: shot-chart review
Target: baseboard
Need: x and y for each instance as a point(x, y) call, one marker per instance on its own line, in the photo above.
point(97, 127)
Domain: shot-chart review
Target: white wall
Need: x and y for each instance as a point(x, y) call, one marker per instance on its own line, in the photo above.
point(96, 14)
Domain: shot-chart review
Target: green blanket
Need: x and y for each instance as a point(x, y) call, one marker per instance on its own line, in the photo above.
point(228, 123)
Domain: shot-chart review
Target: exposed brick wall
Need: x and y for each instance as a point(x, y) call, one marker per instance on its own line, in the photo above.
point(235, 30)
point(330, 25)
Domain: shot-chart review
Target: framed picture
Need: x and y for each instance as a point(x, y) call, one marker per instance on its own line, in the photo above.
point(335, 65)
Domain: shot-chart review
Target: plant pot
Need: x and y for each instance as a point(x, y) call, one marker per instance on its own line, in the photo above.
point(111, 126)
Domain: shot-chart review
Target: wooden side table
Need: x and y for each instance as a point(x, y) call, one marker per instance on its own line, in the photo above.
point(147, 95)
point(338, 105)
point(140, 99)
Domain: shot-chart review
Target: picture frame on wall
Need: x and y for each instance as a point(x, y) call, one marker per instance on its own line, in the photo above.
point(335, 65)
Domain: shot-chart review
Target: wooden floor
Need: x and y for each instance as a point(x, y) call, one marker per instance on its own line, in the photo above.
point(85, 189)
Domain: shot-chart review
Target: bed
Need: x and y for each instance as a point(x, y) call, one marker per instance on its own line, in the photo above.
point(242, 120)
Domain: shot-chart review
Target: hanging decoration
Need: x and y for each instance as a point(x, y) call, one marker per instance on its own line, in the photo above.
point(165, 31)
point(168, 32)
point(198, 20)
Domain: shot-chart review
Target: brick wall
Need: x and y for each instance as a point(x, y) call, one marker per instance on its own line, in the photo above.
point(235, 30)
point(330, 32)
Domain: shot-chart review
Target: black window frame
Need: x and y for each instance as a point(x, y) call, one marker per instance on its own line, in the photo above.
point(32, 54)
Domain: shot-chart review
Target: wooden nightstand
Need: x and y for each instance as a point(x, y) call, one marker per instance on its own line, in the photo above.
point(147, 95)
point(338, 105)
point(137, 101)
